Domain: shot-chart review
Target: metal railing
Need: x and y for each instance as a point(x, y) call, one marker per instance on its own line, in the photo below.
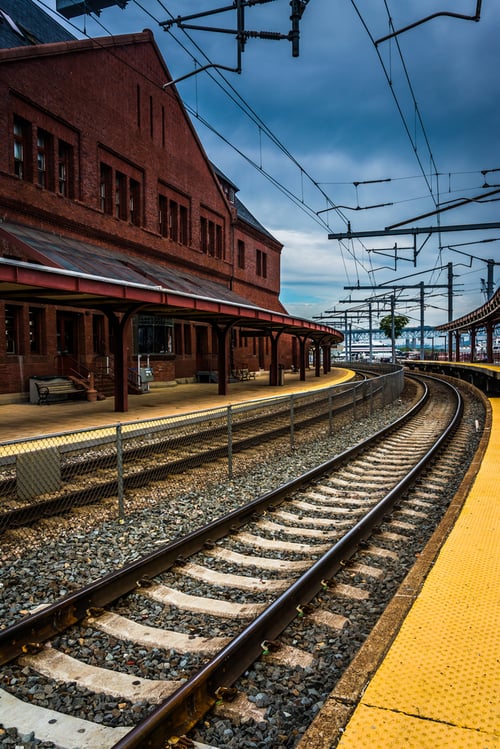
point(54, 473)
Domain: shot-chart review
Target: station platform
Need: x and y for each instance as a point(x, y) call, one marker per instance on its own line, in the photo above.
point(484, 375)
point(24, 420)
point(428, 676)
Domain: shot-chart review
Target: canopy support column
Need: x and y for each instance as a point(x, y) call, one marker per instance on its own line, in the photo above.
point(222, 355)
point(326, 359)
point(302, 357)
point(473, 344)
point(457, 345)
point(489, 342)
point(273, 367)
point(317, 360)
point(121, 331)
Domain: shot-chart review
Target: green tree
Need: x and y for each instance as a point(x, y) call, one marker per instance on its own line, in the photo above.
point(400, 322)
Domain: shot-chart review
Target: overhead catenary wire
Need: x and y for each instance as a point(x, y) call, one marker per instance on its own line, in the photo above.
point(297, 197)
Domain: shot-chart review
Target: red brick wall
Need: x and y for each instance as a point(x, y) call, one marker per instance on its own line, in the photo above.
point(105, 99)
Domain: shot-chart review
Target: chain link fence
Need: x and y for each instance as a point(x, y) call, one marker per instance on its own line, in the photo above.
point(52, 474)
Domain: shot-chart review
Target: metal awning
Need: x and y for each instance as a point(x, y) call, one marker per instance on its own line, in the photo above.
point(64, 271)
point(487, 314)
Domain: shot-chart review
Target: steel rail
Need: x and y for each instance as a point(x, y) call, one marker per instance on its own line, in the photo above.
point(185, 707)
point(41, 626)
point(26, 514)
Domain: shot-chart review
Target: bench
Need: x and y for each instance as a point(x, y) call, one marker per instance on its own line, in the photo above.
point(246, 374)
point(58, 389)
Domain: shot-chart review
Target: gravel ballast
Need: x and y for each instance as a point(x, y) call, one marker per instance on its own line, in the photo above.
point(43, 563)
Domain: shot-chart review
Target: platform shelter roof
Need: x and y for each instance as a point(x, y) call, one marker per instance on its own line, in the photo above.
point(488, 313)
point(64, 271)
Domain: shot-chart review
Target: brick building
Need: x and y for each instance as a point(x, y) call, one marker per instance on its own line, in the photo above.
point(103, 176)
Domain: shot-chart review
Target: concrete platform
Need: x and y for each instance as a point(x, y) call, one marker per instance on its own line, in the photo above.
point(437, 685)
point(22, 420)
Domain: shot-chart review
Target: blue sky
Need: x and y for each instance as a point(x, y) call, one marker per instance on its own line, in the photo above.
point(405, 125)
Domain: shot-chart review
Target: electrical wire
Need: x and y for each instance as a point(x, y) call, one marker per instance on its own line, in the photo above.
point(396, 100)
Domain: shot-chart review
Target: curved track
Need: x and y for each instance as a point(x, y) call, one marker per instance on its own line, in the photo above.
point(255, 570)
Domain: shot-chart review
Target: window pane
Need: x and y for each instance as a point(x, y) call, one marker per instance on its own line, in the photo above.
point(11, 329)
point(35, 329)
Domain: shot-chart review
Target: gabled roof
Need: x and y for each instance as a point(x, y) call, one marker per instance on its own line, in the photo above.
point(241, 210)
point(245, 215)
point(22, 23)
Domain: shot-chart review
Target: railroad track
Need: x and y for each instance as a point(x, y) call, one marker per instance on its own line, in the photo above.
point(210, 604)
point(153, 453)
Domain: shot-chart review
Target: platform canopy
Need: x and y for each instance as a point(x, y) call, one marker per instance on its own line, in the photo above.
point(486, 315)
point(64, 271)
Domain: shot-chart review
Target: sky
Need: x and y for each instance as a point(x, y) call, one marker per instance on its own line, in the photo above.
point(356, 132)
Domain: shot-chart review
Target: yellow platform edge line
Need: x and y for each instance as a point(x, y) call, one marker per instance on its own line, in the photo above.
point(349, 700)
point(439, 683)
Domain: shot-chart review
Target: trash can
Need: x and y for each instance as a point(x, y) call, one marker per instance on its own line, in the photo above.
point(281, 374)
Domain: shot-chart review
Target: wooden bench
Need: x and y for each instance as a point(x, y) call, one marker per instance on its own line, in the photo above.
point(246, 374)
point(58, 389)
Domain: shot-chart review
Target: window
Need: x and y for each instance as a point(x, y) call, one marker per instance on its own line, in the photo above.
point(65, 169)
point(105, 188)
point(36, 315)
point(218, 241)
point(98, 335)
point(120, 196)
point(43, 158)
point(22, 144)
point(183, 225)
point(178, 338)
point(163, 218)
point(173, 220)
point(241, 254)
point(204, 234)
point(12, 332)
point(261, 263)
point(135, 203)
point(153, 334)
point(211, 238)
point(187, 339)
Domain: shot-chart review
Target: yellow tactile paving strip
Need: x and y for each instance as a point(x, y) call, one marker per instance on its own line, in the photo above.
point(439, 685)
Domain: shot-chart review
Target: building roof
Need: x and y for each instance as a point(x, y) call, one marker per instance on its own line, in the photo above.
point(22, 23)
point(68, 272)
point(241, 210)
point(245, 215)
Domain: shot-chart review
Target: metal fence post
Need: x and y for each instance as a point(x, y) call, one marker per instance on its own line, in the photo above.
point(119, 468)
point(292, 424)
point(330, 413)
point(230, 442)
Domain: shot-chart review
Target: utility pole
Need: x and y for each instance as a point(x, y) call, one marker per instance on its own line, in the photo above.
point(347, 317)
point(421, 300)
